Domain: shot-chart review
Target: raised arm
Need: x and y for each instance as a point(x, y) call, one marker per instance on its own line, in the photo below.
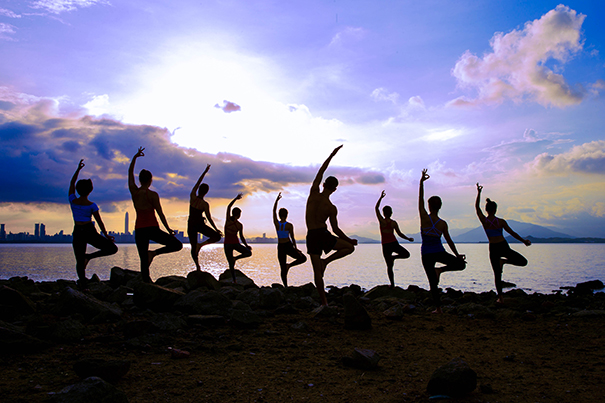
point(132, 186)
point(421, 208)
point(238, 197)
point(74, 178)
point(322, 170)
point(99, 221)
point(478, 202)
point(199, 181)
point(508, 229)
point(275, 220)
point(377, 207)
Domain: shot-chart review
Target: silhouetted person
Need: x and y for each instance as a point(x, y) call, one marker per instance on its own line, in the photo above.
point(286, 244)
point(233, 228)
point(432, 251)
point(85, 232)
point(391, 249)
point(146, 228)
point(319, 239)
point(500, 252)
point(198, 208)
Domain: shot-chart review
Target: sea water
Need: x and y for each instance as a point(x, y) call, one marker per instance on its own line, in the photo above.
point(550, 267)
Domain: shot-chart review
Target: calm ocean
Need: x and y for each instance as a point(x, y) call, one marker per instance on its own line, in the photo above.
point(550, 265)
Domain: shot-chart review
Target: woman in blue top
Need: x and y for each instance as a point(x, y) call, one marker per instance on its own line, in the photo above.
point(499, 251)
point(84, 228)
point(286, 244)
point(432, 251)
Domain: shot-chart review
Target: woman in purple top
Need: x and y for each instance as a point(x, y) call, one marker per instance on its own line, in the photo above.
point(499, 251)
point(432, 251)
point(84, 228)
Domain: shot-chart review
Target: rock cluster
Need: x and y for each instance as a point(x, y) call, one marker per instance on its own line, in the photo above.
point(37, 315)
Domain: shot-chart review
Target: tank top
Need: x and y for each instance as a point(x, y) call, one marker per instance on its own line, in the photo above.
point(81, 213)
point(282, 233)
point(231, 232)
point(386, 232)
point(495, 229)
point(146, 218)
point(431, 239)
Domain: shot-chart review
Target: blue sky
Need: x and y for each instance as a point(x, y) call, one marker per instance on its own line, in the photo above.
point(509, 94)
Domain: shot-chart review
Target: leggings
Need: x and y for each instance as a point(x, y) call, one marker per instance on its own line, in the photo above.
point(388, 249)
point(87, 234)
point(501, 250)
point(284, 250)
point(229, 248)
point(142, 236)
point(451, 262)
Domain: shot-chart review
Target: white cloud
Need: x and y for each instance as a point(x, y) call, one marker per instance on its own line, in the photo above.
point(98, 105)
point(60, 6)
point(515, 68)
point(585, 158)
point(381, 94)
point(9, 13)
point(6, 30)
point(355, 33)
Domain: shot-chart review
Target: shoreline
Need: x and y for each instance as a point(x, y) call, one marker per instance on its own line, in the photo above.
point(199, 339)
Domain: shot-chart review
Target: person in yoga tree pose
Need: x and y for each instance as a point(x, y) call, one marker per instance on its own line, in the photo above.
point(84, 228)
point(198, 208)
point(500, 252)
point(391, 249)
point(319, 239)
point(432, 251)
point(146, 228)
point(286, 244)
point(233, 228)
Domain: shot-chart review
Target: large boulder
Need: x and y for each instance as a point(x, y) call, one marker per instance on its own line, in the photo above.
point(119, 276)
point(270, 298)
point(356, 316)
point(90, 390)
point(197, 279)
point(454, 379)
point(385, 291)
point(199, 302)
point(251, 296)
point(240, 278)
point(14, 303)
point(69, 330)
point(155, 297)
point(72, 301)
point(245, 319)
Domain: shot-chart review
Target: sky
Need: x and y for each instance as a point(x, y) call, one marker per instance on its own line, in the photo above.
point(507, 94)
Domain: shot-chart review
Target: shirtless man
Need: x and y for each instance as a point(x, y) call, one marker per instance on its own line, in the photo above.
point(319, 239)
point(198, 208)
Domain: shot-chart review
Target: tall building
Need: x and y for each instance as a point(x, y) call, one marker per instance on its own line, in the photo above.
point(37, 230)
point(126, 224)
point(42, 230)
point(2, 232)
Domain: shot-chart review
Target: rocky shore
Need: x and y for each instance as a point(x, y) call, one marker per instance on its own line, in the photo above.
point(200, 339)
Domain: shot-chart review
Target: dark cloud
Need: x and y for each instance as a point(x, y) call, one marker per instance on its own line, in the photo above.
point(41, 152)
point(228, 107)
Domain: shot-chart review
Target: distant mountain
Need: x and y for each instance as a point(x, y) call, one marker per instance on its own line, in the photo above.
point(361, 239)
point(523, 229)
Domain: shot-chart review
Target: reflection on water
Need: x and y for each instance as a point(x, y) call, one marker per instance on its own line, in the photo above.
point(550, 265)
